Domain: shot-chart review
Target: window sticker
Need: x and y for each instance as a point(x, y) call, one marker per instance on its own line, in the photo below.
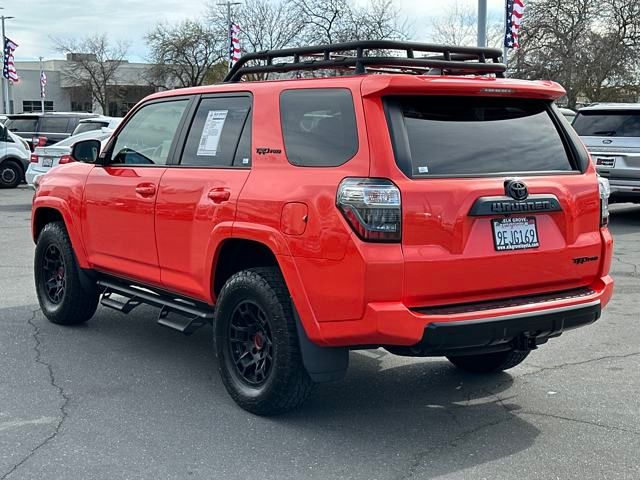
point(211, 133)
point(423, 169)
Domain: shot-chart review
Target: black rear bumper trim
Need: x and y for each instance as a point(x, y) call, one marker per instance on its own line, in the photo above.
point(504, 332)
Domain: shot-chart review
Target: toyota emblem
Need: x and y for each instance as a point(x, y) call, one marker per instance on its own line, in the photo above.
point(516, 189)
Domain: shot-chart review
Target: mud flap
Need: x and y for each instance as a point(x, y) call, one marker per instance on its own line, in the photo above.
point(323, 364)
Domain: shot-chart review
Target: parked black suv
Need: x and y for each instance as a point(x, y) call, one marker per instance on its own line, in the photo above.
point(52, 126)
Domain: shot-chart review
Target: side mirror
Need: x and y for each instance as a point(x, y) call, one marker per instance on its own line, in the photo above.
point(86, 151)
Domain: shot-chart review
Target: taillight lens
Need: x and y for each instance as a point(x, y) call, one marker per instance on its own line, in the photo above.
point(65, 159)
point(373, 208)
point(605, 192)
point(33, 158)
point(39, 141)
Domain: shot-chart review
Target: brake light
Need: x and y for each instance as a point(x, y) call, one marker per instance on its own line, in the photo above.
point(34, 158)
point(65, 159)
point(605, 192)
point(373, 208)
point(39, 141)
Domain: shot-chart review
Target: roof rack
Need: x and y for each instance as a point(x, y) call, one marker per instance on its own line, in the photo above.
point(418, 58)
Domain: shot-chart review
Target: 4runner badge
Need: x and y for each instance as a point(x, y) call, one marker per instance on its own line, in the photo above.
point(264, 150)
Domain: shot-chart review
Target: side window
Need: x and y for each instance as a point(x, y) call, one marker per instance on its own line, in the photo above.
point(319, 126)
point(220, 131)
point(146, 139)
point(54, 125)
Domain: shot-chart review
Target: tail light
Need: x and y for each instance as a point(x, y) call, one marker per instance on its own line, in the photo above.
point(33, 158)
point(373, 208)
point(605, 192)
point(65, 159)
point(39, 141)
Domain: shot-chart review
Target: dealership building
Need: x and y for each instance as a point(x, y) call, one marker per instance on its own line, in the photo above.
point(63, 94)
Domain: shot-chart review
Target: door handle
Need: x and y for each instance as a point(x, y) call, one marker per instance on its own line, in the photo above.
point(146, 189)
point(219, 195)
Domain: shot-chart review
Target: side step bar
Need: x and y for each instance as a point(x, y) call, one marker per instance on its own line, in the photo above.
point(183, 315)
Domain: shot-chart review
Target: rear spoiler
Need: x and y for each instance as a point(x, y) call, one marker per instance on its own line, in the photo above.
point(377, 85)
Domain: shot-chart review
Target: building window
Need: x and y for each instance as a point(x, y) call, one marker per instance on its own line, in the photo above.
point(35, 106)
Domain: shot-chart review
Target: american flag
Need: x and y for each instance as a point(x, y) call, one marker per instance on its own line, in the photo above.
point(234, 48)
point(43, 83)
point(515, 12)
point(9, 70)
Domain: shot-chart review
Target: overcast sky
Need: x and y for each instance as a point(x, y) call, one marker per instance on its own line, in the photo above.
point(37, 20)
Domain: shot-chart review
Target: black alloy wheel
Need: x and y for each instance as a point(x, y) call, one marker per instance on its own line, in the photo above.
point(53, 274)
point(251, 343)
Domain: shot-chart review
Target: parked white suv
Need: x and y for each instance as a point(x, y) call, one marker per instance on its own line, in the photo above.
point(611, 132)
point(14, 158)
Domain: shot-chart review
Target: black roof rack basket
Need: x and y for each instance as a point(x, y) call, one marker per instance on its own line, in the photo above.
point(373, 55)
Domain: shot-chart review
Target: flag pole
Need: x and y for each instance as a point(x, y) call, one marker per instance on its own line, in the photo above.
point(229, 4)
point(5, 81)
point(505, 49)
point(482, 23)
point(41, 87)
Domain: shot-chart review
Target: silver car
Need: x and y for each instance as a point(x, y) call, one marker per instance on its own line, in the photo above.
point(44, 159)
point(611, 132)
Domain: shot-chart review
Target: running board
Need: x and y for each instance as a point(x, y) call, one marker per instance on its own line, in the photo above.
point(179, 314)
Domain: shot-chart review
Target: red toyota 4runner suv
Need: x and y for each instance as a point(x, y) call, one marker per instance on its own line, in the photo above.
point(419, 202)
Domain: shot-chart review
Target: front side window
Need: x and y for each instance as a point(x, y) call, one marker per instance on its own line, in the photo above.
point(220, 134)
point(146, 139)
point(319, 126)
point(451, 136)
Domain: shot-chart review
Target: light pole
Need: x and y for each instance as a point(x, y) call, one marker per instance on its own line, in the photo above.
point(229, 4)
point(482, 23)
point(41, 87)
point(5, 81)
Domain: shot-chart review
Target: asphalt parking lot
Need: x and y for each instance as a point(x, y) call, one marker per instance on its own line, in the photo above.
point(123, 398)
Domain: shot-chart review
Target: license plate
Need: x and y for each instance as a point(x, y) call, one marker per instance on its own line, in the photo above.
point(47, 162)
point(606, 161)
point(515, 233)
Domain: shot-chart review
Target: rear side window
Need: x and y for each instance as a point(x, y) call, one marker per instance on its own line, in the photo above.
point(54, 125)
point(21, 124)
point(452, 136)
point(319, 126)
point(602, 123)
point(89, 126)
point(216, 136)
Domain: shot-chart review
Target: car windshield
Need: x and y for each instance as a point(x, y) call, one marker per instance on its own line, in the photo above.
point(602, 123)
point(435, 125)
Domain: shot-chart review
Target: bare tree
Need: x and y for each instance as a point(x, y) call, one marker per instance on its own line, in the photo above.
point(264, 24)
point(94, 63)
point(458, 25)
point(591, 47)
point(184, 54)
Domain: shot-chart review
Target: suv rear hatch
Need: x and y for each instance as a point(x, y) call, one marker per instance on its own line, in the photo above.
point(613, 138)
point(467, 235)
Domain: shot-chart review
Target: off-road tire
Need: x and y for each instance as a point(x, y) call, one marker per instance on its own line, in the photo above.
point(287, 384)
point(10, 174)
point(79, 301)
point(489, 362)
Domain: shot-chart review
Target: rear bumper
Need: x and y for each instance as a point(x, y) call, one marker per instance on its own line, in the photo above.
point(627, 190)
point(32, 173)
point(393, 324)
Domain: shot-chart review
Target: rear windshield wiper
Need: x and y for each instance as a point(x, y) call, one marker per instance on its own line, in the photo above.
point(605, 133)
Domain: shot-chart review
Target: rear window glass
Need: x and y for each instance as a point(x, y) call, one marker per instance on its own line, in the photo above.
point(319, 126)
point(475, 136)
point(54, 125)
point(608, 124)
point(21, 124)
point(89, 126)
